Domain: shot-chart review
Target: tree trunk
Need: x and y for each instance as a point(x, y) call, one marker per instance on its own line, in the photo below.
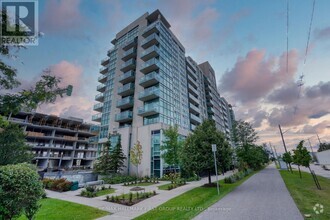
point(290, 167)
point(210, 177)
point(299, 171)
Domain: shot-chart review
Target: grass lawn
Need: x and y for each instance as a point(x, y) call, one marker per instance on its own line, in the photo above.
point(105, 192)
point(306, 195)
point(191, 203)
point(165, 187)
point(142, 184)
point(54, 209)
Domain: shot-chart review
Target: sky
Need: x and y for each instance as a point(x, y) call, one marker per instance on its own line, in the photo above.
point(244, 41)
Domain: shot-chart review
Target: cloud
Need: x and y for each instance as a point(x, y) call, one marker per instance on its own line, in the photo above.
point(319, 90)
point(284, 95)
point(322, 34)
point(255, 75)
point(319, 128)
point(61, 16)
point(79, 104)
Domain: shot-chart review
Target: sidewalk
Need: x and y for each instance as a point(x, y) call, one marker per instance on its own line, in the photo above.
point(262, 196)
point(129, 212)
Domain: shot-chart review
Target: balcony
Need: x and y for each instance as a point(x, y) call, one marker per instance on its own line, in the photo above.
point(210, 103)
point(102, 79)
point(103, 69)
point(194, 109)
point(149, 94)
point(153, 28)
point(98, 107)
point(149, 53)
point(130, 44)
point(192, 90)
point(129, 54)
point(150, 79)
point(124, 116)
point(149, 41)
point(99, 97)
point(193, 99)
point(127, 89)
point(195, 119)
point(192, 73)
point(105, 61)
point(148, 110)
point(150, 65)
point(127, 77)
point(97, 117)
point(192, 127)
point(111, 50)
point(100, 88)
point(126, 102)
point(210, 111)
point(192, 81)
point(128, 65)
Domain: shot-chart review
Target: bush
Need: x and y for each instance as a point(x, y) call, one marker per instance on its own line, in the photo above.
point(116, 179)
point(237, 176)
point(60, 185)
point(20, 190)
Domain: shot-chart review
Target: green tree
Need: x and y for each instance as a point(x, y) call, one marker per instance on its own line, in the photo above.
point(252, 155)
point(243, 133)
point(103, 163)
point(323, 147)
point(136, 156)
point(171, 146)
point(301, 156)
point(287, 158)
point(117, 157)
point(20, 191)
point(13, 148)
point(197, 155)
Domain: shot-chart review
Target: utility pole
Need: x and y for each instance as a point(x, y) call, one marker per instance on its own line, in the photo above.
point(286, 151)
point(318, 138)
point(310, 145)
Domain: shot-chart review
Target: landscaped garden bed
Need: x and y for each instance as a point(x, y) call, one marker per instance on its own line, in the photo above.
point(237, 176)
point(175, 179)
point(146, 181)
point(93, 191)
point(130, 198)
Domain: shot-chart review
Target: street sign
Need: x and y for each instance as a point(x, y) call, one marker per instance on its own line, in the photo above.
point(214, 147)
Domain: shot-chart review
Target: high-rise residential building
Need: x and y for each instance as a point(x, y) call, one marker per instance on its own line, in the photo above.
point(147, 84)
point(58, 142)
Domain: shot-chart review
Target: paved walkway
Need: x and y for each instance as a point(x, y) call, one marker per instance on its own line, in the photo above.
point(130, 212)
point(262, 196)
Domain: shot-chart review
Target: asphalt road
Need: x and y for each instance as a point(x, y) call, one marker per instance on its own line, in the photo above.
point(262, 196)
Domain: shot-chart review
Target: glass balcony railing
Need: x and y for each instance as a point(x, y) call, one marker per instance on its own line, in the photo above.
point(125, 102)
point(149, 94)
point(124, 116)
point(97, 117)
point(150, 40)
point(127, 77)
point(150, 79)
point(149, 109)
point(193, 99)
point(194, 108)
point(105, 61)
point(103, 69)
point(126, 89)
point(129, 54)
point(99, 97)
point(102, 79)
point(128, 65)
point(149, 53)
point(150, 65)
point(152, 28)
point(101, 88)
point(98, 106)
point(129, 44)
point(192, 89)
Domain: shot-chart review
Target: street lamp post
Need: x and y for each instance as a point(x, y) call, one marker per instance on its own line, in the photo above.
point(214, 149)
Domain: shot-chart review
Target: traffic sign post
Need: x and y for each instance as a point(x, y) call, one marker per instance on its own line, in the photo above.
point(214, 149)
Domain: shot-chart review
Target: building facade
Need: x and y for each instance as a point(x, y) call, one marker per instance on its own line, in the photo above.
point(146, 85)
point(57, 142)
